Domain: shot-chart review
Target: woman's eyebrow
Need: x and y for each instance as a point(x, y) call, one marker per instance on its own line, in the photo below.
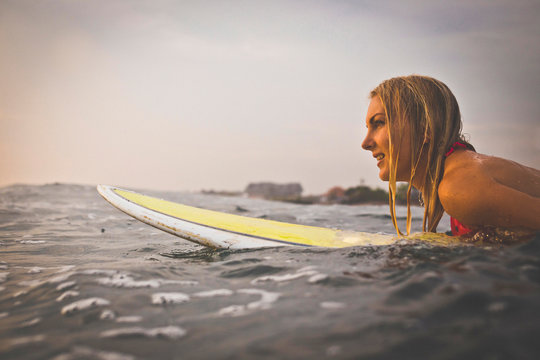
point(371, 119)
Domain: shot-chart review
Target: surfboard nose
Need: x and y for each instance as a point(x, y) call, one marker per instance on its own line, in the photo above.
point(104, 189)
point(100, 188)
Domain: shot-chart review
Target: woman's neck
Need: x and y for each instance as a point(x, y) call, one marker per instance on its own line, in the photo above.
point(419, 177)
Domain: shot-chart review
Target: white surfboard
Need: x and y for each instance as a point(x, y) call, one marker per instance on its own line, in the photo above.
point(223, 230)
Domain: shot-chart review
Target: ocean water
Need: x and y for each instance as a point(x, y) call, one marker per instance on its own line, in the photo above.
point(81, 280)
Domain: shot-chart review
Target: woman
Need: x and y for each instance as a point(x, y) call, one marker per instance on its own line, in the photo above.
point(414, 132)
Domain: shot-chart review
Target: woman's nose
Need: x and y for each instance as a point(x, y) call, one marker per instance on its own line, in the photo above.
point(368, 142)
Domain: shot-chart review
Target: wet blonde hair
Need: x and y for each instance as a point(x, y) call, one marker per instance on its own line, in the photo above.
point(431, 112)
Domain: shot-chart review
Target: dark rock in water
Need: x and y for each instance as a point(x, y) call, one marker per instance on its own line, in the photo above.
point(267, 190)
point(279, 217)
point(240, 209)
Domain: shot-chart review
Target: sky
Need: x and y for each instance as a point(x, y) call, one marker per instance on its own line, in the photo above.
point(192, 95)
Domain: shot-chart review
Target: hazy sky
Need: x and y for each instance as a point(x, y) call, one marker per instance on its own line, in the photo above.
point(190, 95)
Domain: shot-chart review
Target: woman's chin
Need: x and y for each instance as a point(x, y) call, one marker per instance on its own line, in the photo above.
point(383, 175)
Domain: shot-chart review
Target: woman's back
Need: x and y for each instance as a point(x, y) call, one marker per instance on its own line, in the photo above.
point(483, 190)
point(505, 172)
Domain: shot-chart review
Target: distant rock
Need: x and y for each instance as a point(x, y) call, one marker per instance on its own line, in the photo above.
point(335, 195)
point(272, 191)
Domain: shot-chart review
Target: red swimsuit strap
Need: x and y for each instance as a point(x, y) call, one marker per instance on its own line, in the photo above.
point(458, 229)
point(453, 148)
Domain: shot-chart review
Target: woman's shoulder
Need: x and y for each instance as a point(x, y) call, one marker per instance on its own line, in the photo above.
point(465, 181)
point(480, 171)
point(483, 190)
point(463, 187)
point(464, 165)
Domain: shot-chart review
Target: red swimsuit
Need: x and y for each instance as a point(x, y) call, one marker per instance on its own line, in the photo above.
point(458, 228)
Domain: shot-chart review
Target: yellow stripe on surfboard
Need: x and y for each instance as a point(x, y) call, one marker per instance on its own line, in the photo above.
point(260, 228)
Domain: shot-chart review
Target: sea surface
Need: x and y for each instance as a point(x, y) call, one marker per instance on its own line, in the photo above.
point(81, 280)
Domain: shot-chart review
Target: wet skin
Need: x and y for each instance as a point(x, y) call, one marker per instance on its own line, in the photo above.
point(377, 137)
point(481, 190)
point(377, 141)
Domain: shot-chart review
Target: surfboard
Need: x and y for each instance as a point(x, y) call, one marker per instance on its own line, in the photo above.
point(230, 231)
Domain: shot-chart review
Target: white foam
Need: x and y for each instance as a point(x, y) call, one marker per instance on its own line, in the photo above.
point(83, 352)
point(3, 265)
point(33, 241)
point(3, 276)
point(35, 270)
point(27, 340)
point(2, 288)
point(83, 305)
point(169, 332)
point(285, 277)
point(60, 278)
point(30, 283)
point(20, 293)
point(66, 285)
point(31, 322)
point(266, 300)
point(107, 314)
point(264, 303)
point(98, 272)
point(129, 319)
point(65, 268)
point(213, 293)
point(179, 282)
point(123, 280)
point(233, 310)
point(118, 279)
point(67, 294)
point(429, 275)
point(317, 278)
point(306, 268)
point(3, 315)
point(332, 305)
point(169, 298)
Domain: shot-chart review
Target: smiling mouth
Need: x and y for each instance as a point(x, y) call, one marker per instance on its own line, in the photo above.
point(379, 157)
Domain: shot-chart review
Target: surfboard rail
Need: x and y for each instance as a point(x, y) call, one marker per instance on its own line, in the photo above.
point(224, 230)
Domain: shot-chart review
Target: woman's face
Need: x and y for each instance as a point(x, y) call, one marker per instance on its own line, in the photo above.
point(377, 141)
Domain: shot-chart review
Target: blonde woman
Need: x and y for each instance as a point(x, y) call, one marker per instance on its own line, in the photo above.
point(414, 132)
